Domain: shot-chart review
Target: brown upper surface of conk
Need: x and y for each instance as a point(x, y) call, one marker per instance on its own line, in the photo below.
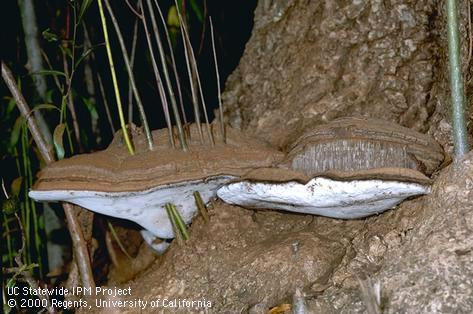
point(352, 144)
point(115, 170)
point(276, 175)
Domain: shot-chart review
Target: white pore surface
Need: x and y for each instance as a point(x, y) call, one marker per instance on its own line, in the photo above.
point(144, 207)
point(322, 196)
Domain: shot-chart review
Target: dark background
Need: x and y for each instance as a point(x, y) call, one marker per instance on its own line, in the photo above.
point(233, 21)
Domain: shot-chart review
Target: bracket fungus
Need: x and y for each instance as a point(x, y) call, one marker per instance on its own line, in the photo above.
point(348, 168)
point(355, 143)
point(137, 187)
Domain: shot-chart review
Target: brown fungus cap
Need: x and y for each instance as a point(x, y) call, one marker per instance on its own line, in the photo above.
point(115, 170)
point(352, 144)
point(279, 175)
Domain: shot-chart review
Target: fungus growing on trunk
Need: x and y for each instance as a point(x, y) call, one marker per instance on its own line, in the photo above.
point(348, 168)
point(337, 194)
point(115, 183)
point(351, 144)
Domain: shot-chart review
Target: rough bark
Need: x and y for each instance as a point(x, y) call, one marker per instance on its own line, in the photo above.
point(309, 62)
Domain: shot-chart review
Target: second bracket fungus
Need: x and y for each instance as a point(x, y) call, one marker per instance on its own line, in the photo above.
point(348, 168)
point(346, 195)
point(356, 143)
point(137, 188)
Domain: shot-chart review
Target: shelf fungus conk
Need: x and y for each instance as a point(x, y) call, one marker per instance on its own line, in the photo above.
point(346, 195)
point(351, 144)
point(115, 183)
point(349, 168)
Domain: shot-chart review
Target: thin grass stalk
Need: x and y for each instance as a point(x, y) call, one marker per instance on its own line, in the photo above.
point(456, 81)
point(105, 103)
point(201, 206)
point(172, 97)
point(159, 81)
point(6, 227)
point(132, 62)
point(8, 238)
point(90, 85)
point(25, 273)
point(195, 101)
point(25, 111)
point(29, 216)
point(102, 89)
point(199, 85)
point(219, 93)
point(63, 119)
point(43, 245)
point(117, 239)
point(163, 99)
point(114, 80)
point(23, 214)
point(180, 222)
point(50, 67)
point(204, 29)
point(175, 227)
point(37, 237)
point(79, 244)
point(36, 223)
point(144, 120)
point(173, 62)
point(69, 77)
point(26, 215)
point(71, 107)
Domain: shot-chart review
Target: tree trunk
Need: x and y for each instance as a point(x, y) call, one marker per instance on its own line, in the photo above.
point(309, 62)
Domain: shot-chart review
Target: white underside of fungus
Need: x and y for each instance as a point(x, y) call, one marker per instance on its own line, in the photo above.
point(146, 208)
point(322, 196)
point(137, 187)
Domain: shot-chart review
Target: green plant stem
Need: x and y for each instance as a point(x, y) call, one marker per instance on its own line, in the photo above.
point(101, 88)
point(79, 244)
point(201, 206)
point(6, 227)
point(114, 80)
point(27, 211)
point(105, 103)
point(144, 119)
point(70, 101)
point(175, 110)
point(63, 119)
point(117, 239)
point(199, 85)
point(25, 111)
point(220, 107)
point(36, 219)
point(24, 270)
point(132, 62)
point(157, 76)
point(175, 227)
point(195, 100)
point(456, 81)
point(177, 222)
point(8, 239)
point(180, 222)
point(173, 62)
